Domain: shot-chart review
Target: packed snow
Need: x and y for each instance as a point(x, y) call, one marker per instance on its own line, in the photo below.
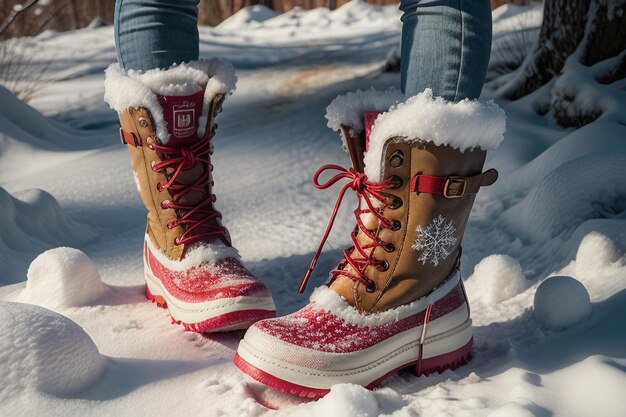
point(556, 211)
point(42, 351)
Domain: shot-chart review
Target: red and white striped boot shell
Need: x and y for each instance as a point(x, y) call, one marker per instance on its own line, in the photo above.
point(208, 291)
point(328, 342)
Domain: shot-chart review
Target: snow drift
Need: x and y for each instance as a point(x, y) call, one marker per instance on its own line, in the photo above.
point(31, 222)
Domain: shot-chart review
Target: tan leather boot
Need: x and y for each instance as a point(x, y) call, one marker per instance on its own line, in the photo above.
point(396, 299)
point(414, 242)
point(167, 121)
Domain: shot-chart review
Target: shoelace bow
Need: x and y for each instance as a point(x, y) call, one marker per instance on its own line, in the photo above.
point(197, 220)
point(365, 189)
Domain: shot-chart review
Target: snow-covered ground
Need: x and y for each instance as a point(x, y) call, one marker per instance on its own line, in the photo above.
point(558, 209)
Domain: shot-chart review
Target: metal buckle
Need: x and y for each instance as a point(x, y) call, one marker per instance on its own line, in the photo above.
point(455, 187)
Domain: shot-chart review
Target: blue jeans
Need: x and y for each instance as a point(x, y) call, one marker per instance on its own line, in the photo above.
point(156, 33)
point(445, 43)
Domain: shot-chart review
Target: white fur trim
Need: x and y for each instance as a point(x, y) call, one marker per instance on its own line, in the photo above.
point(348, 109)
point(464, 125)
point(123, 90)
point(329, 300)
point(196, 255)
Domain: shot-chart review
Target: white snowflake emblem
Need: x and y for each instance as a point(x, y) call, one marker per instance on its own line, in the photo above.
point(435, 241)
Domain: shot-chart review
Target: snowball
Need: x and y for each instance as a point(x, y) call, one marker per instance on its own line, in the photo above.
point(497, 278)
point(45, 351)
point(343, 400)
point(62, 278)
point(596, 251)
point(561, 302)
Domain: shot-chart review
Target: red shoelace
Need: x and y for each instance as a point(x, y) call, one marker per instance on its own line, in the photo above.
point(355, 256)
point(199, 221)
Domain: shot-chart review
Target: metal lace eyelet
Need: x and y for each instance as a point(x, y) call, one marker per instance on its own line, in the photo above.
point(176, 241)
point(170, 224)
point(389, 247)
point(165, 204)
point(143, 122)
point(396, 159)
point(396, 182)
point(395, 225)
point(396, 203)
point(382, 266)
point(159, 187)
point(371, 286)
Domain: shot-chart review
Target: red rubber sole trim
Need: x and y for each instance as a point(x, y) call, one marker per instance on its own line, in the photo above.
point(451, 360)
point(235, 320)
point(274, 382)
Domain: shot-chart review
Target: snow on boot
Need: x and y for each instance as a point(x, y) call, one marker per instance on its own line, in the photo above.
point(167, 121)
point(396, 299)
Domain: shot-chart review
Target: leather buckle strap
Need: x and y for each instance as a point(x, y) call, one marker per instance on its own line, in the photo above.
point(129, 138)
point(452, 186)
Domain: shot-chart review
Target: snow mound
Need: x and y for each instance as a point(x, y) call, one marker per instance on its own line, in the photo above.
point(565, 198)
point(596, 251)
point(26, 127)
point(343, 400)
point(497, 278)
point(599, 263)
point(62, 278)
point(607, 137)
point(263, 24)
point(249, 17)
point(561, 302)
point(31, 222)
point(44, 351)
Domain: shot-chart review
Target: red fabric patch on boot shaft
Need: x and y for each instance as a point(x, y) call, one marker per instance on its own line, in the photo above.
point(369, 117)
point(182, 114)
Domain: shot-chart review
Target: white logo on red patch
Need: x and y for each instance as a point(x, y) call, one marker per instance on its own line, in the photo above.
point(184, 119)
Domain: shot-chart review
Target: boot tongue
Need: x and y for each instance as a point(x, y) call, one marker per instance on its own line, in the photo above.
point(182, 114)
point(369, 117)
point(358, 144)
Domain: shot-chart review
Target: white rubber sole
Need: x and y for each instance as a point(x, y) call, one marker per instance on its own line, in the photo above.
point(446, 346)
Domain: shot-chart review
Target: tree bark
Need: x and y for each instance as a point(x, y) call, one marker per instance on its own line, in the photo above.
point(562, 30)
point(573, 33)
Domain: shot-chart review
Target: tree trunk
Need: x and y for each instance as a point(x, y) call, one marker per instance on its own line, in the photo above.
point(573, 32)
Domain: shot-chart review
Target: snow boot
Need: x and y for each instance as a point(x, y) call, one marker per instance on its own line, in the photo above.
point(396, 299)
point(167, 121)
